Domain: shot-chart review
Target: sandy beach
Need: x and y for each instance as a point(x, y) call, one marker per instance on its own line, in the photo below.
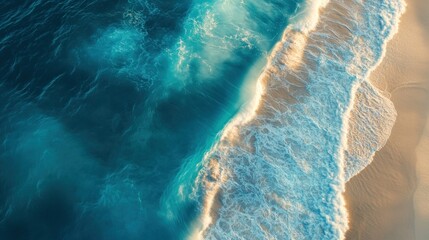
point(388, 199)
point(421, 197)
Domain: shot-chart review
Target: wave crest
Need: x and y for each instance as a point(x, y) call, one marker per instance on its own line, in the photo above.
point(282, 163)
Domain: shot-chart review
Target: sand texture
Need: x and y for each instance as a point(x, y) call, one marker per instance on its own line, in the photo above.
point(421, 197)
point(381, 200)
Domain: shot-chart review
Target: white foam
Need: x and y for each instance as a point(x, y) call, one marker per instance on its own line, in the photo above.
point(281, 162)
point(370, 124)
point(308, 17)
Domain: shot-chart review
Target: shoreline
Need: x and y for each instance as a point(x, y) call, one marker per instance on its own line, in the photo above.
point(296, 59)
point(380, 199)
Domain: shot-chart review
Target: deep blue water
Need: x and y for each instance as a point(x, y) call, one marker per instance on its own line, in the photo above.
point(103, 103)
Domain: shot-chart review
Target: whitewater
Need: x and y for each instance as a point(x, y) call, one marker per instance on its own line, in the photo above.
point(188, 119)
point(279, 167)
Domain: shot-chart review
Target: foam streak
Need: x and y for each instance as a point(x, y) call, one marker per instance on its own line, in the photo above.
point(281, 162)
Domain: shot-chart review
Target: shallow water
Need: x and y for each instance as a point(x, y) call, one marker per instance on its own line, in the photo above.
point(279, 168)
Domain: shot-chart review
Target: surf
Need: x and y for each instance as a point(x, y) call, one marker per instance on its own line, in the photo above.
point(279, 168)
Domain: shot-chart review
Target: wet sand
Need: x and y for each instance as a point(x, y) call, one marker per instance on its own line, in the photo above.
point(421, 197)
point(389, 199)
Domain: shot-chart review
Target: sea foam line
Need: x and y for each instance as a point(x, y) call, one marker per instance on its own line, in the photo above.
point(238, 139)
point(388, 118)
point(305, 21)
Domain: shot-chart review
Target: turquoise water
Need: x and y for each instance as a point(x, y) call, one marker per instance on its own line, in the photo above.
point(219, 119)
point(107, 109)
point(279, 168)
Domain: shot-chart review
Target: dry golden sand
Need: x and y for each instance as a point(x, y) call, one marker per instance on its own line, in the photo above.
point(382, 200)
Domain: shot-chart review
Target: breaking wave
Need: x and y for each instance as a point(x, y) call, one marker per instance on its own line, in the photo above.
point(279, 168)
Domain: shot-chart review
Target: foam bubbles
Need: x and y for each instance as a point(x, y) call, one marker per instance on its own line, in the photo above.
point(282, 161)
point(226, 32)
point(308, 17)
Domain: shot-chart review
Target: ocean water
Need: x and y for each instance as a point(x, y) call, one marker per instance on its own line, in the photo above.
point(102, 103)
point(160, 119)
point(280, 166)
